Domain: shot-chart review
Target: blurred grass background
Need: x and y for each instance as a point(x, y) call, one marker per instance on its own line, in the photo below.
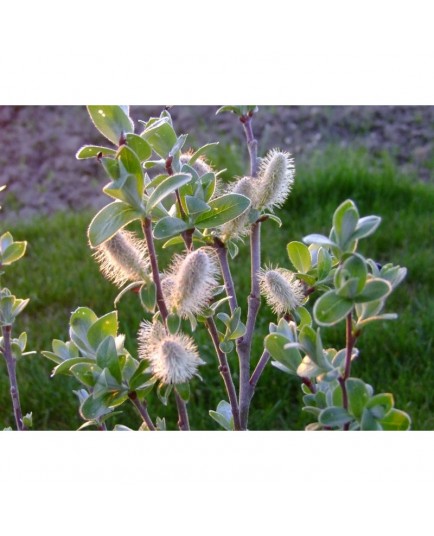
point(58, 274)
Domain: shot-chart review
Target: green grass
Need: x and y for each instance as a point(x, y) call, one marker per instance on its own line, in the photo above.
point(58, 274)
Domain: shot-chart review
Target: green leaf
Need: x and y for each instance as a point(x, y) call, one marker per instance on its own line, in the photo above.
point(167, 227)
point(308, 368)
point(13, 252)
point(111, 121)
point(108, 387)
point(202, 150)
point(139, 146)
point(148, 296)
point(375, 289)
point(80, 322)
point(238, 110)
point(126, 189)
point(183, 390)
point(107, 357)
point(161, 136)
point(330, 309)
point(358, 395)
point(180, 142)
point(226, 347)
point(271, 217)
point(132, 165)
point(223, 415)
point(368, 422)
point(6, 240)
point(366, 226)
point(380, 404)
point(109, 221)
point(299, 255)
point(396, 420)
point(195, 205)
point(334, 416)
point(28, 420)
point(324, 263)
point(86, 373)
point(165, 188)
point(103, 327)
point(232, 249)
point(173, 323)
point(111, 167)
point(354, 267)
point(223, 209)
point(319, 239)
point(91, 151)
point(289, 357)
point(93, 408)
point(345, 220)
point(65, 366)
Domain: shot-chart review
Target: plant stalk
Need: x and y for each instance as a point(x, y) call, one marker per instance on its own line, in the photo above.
point(12, 373)
point(263, 360)
point(225, 372)
point(183, 422)
point(147, 230)
point(244, 344)
point(252, 144)
point(142, 409)
point(222, 254)
point(350, 340)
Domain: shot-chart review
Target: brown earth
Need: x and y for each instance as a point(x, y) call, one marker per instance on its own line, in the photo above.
point(38, 144)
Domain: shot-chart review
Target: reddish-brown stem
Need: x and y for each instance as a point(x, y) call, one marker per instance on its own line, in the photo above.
point(222, 254)
point(147, 230)
point(183, 422)
point(244, 344)
point(350, 340)
point(225, 372)
point(142, 409)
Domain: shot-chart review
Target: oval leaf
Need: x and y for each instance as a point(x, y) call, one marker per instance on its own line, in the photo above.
point(223, 209)
point(165, 188)
point(375, 289)
point(299, 255)
point(330, 308)
point(334, 416)
point(111, 121)
point(109, 221)
point(167, 227)
point(91, 151)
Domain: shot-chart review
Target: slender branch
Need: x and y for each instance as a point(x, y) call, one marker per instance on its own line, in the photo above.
point(183, 422)
point(263, 360)
point(244, 345)
point(142, 409)
point(252, 144)
point(147, 229)
point(12, 373)
point(350, 340)
point(222, 254)
point(225, 372)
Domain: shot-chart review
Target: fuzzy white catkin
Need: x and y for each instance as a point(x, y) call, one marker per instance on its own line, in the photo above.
point(282, 291)
point(123, 258)
point(173, 358)
point(239, 227)
point(192, 279)
point(275, 180)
